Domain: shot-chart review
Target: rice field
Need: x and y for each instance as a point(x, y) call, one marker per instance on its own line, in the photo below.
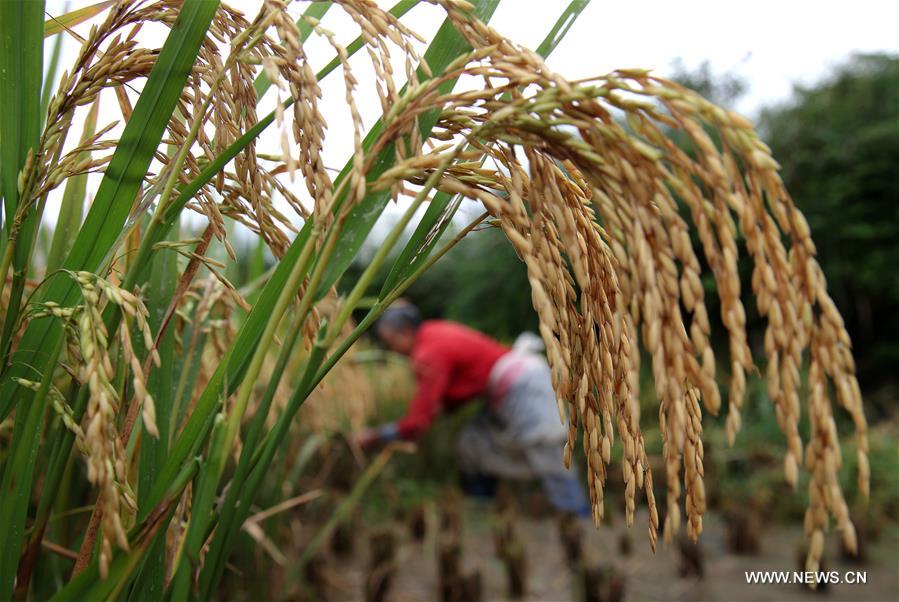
point(179, 341)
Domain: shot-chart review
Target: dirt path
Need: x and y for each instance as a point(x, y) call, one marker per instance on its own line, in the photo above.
point(648, 577)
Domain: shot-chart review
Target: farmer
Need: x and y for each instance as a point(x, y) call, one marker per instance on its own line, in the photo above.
point(518, 434)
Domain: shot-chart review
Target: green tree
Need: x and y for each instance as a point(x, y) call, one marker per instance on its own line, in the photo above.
point(721, 88)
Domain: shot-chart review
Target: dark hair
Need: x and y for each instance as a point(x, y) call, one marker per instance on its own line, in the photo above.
point(399, 317)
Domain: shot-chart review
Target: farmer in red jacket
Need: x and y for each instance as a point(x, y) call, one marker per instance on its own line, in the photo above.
point(518, 435)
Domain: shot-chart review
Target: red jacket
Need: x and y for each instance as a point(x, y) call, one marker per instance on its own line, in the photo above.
point(452, 364)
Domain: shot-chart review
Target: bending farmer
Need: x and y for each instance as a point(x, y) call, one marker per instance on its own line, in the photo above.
point(518, 434)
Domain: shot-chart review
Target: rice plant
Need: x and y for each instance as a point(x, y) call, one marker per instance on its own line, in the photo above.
point(142, 387)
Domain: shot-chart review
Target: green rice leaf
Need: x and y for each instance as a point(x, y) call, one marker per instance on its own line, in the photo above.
point(201, 510)
point(161, 385)
point(21, 73)
point(561, 27)
point(434, 222)
point(15, 490)
point(54, 25)
point(123, 179)
point(21, 70)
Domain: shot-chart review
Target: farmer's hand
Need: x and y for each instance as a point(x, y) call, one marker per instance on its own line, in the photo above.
point(366, 437)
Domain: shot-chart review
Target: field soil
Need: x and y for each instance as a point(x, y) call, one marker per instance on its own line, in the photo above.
point(647, 577)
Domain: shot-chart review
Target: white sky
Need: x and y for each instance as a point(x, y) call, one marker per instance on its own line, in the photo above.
point(771, 44)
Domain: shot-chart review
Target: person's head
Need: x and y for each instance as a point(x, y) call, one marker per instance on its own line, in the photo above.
point(398, 326)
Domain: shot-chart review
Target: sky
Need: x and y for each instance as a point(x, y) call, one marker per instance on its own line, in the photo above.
point(772, 45)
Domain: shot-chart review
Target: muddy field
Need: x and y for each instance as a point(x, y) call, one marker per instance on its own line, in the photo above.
point(614, 551)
